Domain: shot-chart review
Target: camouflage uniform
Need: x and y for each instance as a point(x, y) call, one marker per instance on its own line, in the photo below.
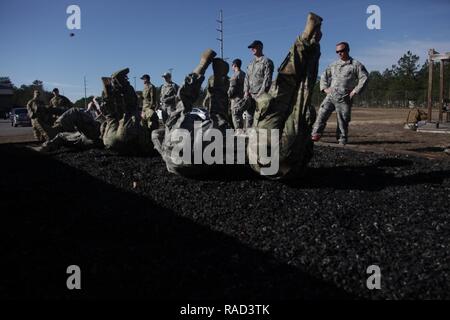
point(216, 100)
point(149, 119)
point(287, 107)
point(342, 77)
point(257, 81)
point(75, 128)
point(122, 130)
point(61, 102)
point(236, 93)
point(185, 116)
point(40, 119)
point(168, 97)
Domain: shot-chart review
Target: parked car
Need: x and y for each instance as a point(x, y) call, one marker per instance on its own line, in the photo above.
point(19, 116)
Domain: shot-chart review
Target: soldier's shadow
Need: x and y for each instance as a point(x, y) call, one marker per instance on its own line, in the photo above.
point(373, 177)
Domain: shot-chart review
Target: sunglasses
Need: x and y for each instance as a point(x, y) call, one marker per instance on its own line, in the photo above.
point(341, 51)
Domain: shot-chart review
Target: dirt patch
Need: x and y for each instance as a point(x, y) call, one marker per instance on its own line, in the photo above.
point(381, 130)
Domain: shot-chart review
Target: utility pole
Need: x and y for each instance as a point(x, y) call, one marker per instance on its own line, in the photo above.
point(220, 29)
point(85, 96)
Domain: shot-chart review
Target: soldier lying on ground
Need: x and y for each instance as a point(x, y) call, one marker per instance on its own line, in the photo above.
point(287, 106)
point(75, 128)
point(186, 116)
point(286, 109)
point(123, 131)
point(118, 128)
point(41, 117)
point(216, 100)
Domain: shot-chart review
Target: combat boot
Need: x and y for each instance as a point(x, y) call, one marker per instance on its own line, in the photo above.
point(313, 24)
point(205, 60)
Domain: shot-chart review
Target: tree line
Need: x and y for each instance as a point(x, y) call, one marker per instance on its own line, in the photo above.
point(404, 84)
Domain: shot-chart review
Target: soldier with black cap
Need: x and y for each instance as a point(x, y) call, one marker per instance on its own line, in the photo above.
point(258, 79)
point(149, 117)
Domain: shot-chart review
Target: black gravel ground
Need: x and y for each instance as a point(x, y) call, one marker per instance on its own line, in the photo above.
point(137, 231)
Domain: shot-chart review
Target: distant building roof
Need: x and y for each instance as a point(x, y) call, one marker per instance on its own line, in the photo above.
point(6, 87)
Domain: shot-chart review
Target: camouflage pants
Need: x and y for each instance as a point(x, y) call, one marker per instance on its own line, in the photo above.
point(237, 112)
point(184, 119)
point(126, 135)
point(343, 114)
point(150, 119)
point(167, 110)
point(287, 108)
point(37, 131)
point(42, 129)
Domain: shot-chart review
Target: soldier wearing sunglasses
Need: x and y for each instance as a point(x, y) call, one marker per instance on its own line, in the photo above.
point(341, 81)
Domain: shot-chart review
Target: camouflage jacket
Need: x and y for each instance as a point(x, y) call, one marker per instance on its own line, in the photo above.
point(169, 93)
point(60, 102)
point(216, 100)
point(343, 77)
point(259, 76)
point(149, 97)
point(36, 109)
point(236, 89)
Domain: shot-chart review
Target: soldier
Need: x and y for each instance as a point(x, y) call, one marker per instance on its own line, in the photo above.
point(59, 101)
point(168, 96)
point(40, 117)
point(236, 93)
point(216, 100)
point(122, 130)
point(75, 128)
point(186, 116)
point(258, 79)
point(149, 116)
point(287, 106)
point(341, 81)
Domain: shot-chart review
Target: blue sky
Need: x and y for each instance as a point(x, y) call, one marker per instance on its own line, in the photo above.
point(153, 36)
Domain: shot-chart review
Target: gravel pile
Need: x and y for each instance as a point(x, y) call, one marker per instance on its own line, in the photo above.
point(137, 231)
